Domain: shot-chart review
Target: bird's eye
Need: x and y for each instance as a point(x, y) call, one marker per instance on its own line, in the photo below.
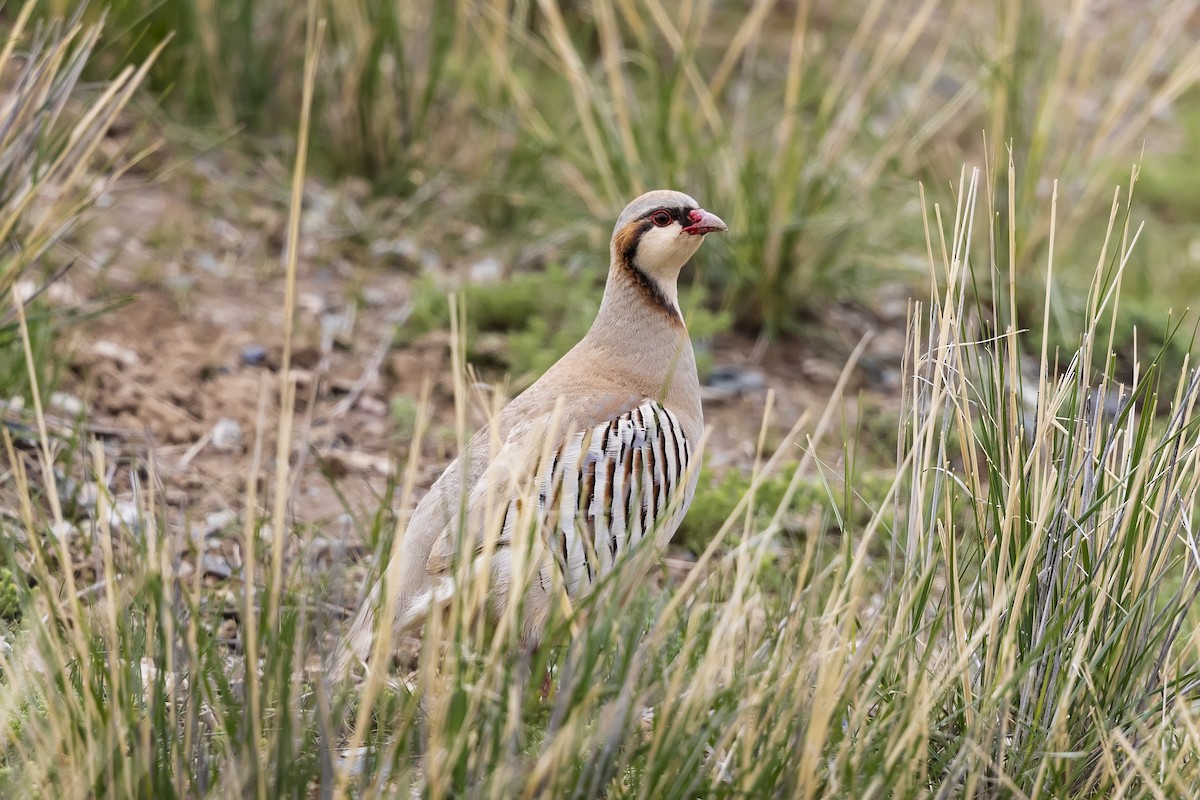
point(661, 218)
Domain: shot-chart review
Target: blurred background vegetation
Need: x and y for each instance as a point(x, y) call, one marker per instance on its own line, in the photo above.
point(805, 123)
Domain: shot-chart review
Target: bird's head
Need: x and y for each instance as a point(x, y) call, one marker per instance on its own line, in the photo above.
point(658, 232)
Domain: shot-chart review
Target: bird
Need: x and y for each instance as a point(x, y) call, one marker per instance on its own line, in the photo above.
point(605, 445)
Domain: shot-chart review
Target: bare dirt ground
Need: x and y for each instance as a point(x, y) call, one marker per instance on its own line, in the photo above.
point(186, 370)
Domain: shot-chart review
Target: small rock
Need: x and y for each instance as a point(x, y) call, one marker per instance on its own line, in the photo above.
point(67, 488)
point(64, 530)
point(372, 405)
point(180, 284)
point(88, 495)
point(112, 351)
point(397, 252)
point(150, 673)
point(338, 328)
point(894, 310)
point(356, 188)
point(820, 370)
point(226, 436)
point(216, 565)
point(473, 236)
point(62, 294)
point(24, 290)
point(431, 262)
point(125, 514)
point(5, 647)
point(312, 303)
point(229, 235)
point(344, 462)
point(68, 404)
point(210, 264)
point(727, 380)
point(218, 521)
point(305, 357)
point(374, 297)
point(254, 355)
point(486, 270)
point(227, 633)
point(324, 553)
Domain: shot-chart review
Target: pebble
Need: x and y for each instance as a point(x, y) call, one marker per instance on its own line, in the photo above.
point(180, 284)
point(216, 565)
point(820, 370)
point(209, 263)
point(372, 405)
point(374, 297)
point(226, 435)
point(397, 252)
point(68, 404)
point(125, 514)
point(24, 290)
point(67, 487)
point(431, 263)
point(254, 355)
point(312, 303)
point(61, 294)
point(338, 328)
point(150, 674)
point(486, 270)
point(213, 524)
point(218, 520)
point(323, 552)
point(728, 380)
point(88, 495)
point(114, 352)
point(64, 530)
point(473, 236)
point(229, 235)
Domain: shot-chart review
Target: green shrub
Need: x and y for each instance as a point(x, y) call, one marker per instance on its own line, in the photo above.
point(844, 506)
point(10, 596)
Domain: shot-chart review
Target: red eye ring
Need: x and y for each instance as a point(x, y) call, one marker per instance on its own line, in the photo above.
point(661, 218)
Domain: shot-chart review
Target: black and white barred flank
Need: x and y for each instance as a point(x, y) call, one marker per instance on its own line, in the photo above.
point(608, 487)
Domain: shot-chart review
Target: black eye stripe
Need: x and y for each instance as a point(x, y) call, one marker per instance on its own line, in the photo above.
point(679, 215)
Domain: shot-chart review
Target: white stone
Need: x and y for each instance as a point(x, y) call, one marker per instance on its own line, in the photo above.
point(226, 435)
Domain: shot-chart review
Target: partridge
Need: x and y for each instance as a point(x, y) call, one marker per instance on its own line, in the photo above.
point(604, 444)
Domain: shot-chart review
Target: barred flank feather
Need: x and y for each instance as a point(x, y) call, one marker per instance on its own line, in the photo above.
point(609, 487)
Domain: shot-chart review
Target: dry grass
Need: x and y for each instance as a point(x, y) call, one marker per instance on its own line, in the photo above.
point(1029, 633)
